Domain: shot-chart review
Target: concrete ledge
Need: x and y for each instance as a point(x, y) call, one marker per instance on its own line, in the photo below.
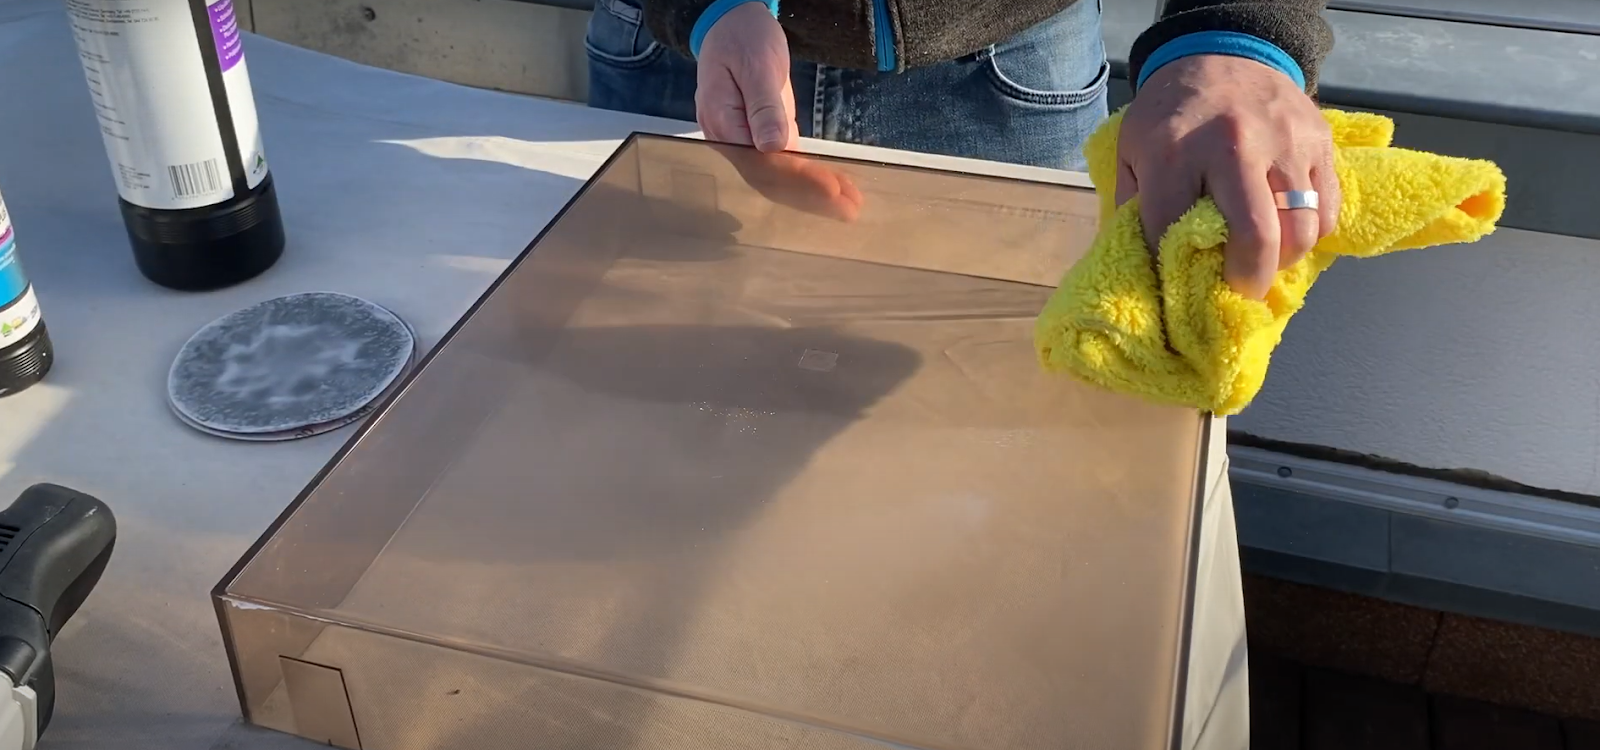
point(570, 4)
point(1494, 74)
point(1576, 16)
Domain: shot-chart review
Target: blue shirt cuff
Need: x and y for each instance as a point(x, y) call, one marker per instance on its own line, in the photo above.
point(714, 13)
point(1222, 43)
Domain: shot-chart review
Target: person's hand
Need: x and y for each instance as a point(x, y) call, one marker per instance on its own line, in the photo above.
point(1238, 131)
point(800, 182)
point(743, 94)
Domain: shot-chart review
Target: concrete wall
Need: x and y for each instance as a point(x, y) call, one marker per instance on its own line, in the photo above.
point(523, 47)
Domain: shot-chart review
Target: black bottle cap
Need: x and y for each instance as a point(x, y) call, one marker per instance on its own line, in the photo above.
point(201, 249)
point(26, 362)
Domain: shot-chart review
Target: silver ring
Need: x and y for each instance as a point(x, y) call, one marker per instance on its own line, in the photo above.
point(1292, 199)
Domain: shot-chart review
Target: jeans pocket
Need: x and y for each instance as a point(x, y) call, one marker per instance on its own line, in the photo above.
point(1060, 63)
point(1016, 85)
point(617, 34)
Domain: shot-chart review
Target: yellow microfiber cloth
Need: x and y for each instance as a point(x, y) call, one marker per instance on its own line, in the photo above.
point(1170, 329)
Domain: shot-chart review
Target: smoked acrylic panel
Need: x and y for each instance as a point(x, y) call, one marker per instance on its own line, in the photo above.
point(747, 452)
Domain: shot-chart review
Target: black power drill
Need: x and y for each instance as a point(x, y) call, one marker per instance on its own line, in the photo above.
point(54, 544)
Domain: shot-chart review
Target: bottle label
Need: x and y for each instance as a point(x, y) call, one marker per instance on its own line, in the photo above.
point(19, 309)
point(18, 319)
point(147, 77)
point(236, 81)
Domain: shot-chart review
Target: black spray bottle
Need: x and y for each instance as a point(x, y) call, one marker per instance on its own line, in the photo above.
point(173, 97)
point(25, 353)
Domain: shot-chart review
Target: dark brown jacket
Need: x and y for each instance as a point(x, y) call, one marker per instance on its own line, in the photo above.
point(849, 33)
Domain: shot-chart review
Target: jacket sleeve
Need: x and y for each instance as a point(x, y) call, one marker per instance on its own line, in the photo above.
point(1295, 26)
point(672, 22)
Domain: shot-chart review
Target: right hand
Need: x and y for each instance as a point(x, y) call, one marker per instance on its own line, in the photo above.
point(743, 94)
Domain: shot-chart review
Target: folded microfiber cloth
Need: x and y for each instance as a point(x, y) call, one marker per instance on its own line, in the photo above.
point(1168, 328)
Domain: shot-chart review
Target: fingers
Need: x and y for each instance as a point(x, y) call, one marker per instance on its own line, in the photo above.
point(850, 193)
point(764, 119)
point(1244, 197)
point(1298, 228)
point(812, 186)
point(1163, 199)
point(719, 106)
point(800, 182)
point(1326, 182)
point(1237, 131)
point(769, 105)
point(847, 206)
point(1127, 183)
point(751, 108)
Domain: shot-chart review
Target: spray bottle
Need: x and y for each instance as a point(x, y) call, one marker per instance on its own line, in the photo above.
point(25, 352)
point(173, 97)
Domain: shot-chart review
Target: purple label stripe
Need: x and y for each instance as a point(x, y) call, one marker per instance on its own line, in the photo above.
point(225, 33)
point(6, 235)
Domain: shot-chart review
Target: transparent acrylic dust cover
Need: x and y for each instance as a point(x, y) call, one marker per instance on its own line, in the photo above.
point(747, 452)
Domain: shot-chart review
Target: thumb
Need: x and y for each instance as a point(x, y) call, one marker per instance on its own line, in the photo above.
point(768, 104)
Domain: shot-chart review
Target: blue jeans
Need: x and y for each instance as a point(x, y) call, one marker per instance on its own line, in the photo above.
point(1032, 99)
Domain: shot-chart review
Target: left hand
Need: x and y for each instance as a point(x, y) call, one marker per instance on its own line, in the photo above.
point(1239, 131)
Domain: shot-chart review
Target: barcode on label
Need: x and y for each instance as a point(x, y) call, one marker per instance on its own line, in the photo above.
point(191, 180)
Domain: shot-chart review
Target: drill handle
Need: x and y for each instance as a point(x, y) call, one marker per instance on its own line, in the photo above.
point(54, 544)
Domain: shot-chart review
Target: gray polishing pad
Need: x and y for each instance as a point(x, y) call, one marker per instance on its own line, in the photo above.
point(290, 367)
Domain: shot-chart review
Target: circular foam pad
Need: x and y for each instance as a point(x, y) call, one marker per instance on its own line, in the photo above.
point(290, 367)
